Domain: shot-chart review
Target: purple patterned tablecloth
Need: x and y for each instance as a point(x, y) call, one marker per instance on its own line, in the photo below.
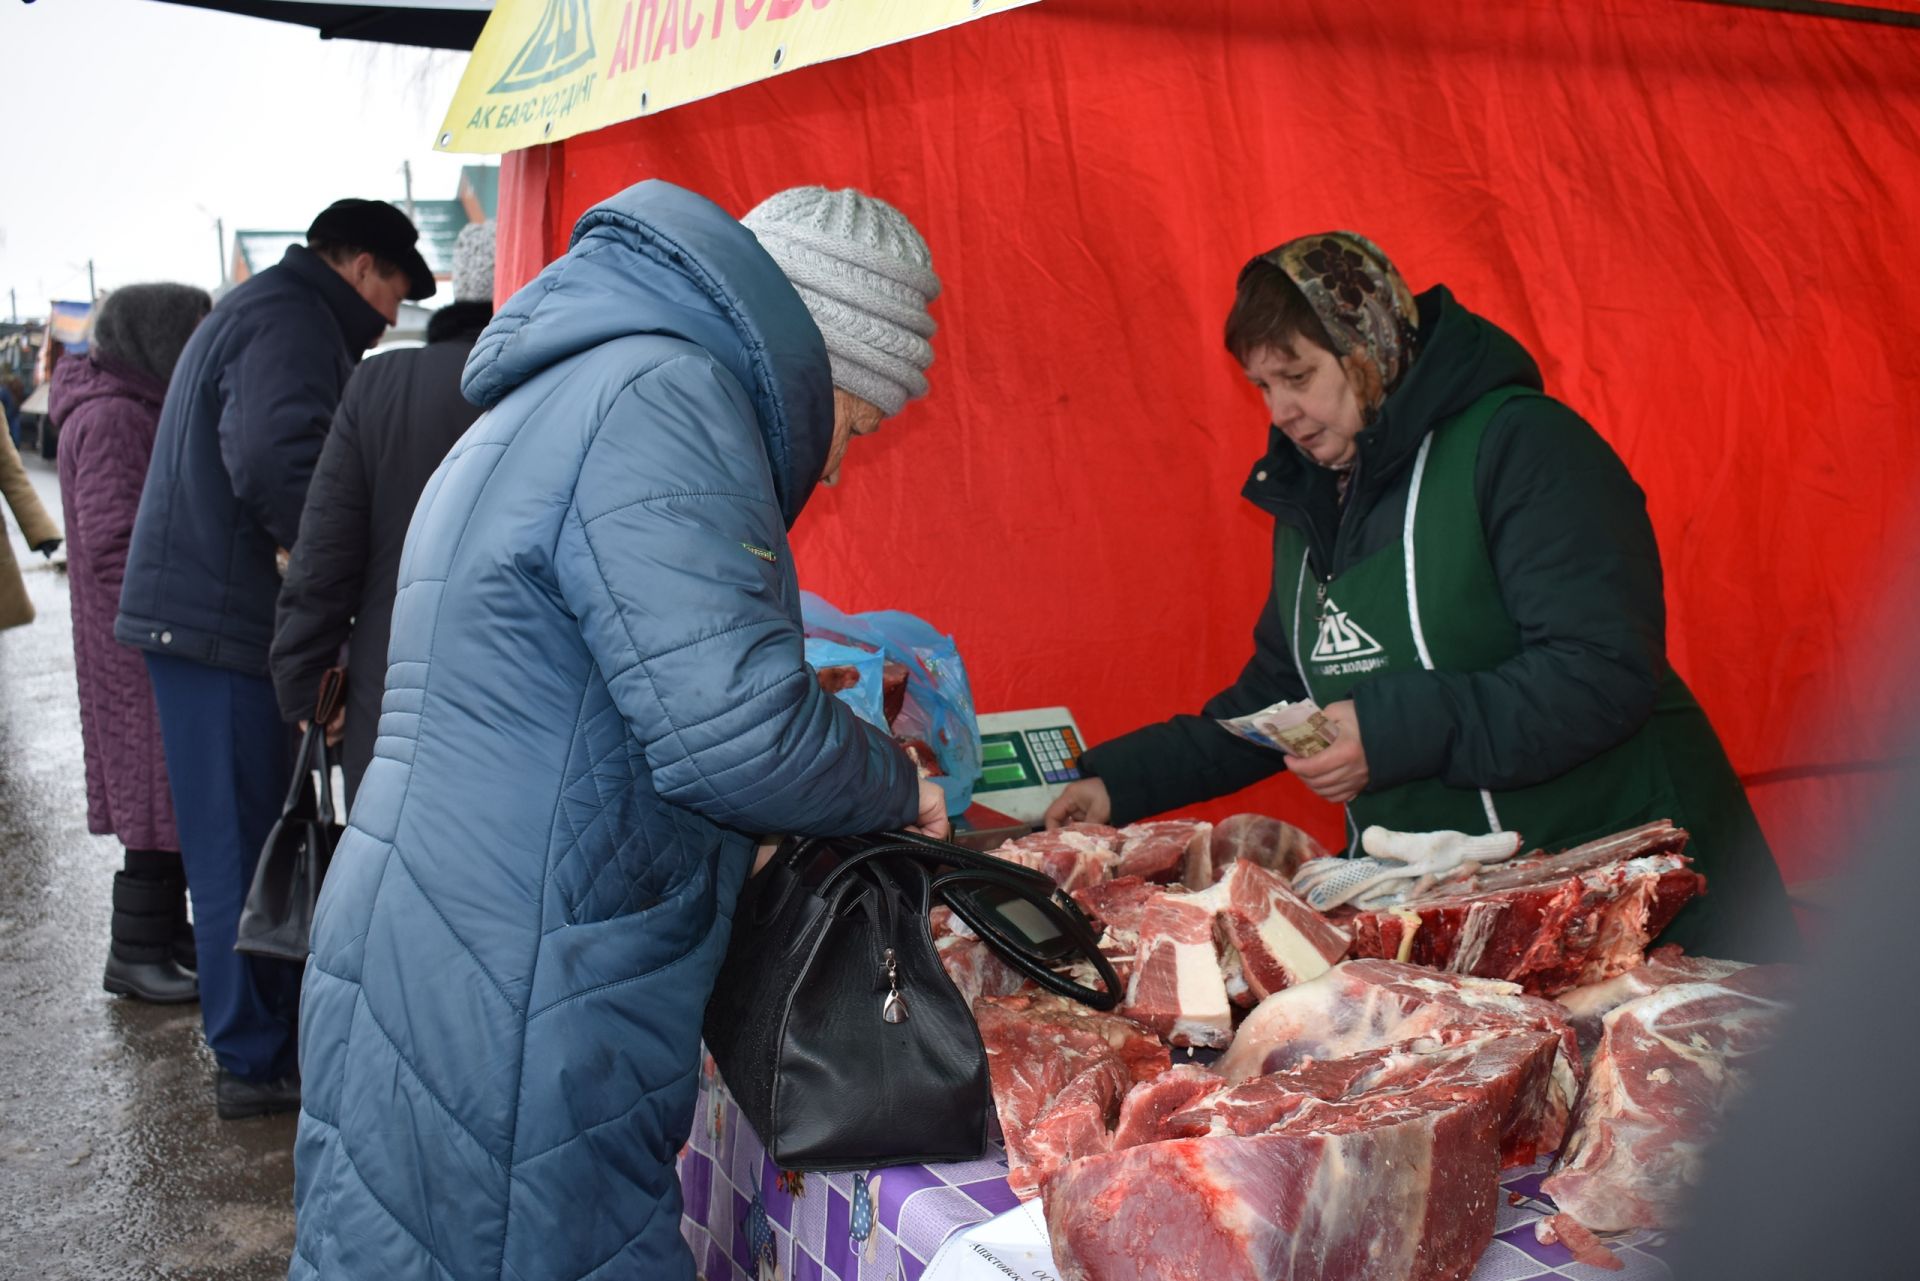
point(747, 1220)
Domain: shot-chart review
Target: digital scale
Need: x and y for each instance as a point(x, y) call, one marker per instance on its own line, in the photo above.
point(1027, 759)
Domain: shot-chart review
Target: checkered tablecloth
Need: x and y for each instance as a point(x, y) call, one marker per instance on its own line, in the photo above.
point(747, 1220)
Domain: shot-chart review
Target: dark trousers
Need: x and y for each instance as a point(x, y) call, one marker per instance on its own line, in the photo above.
point(229, 757)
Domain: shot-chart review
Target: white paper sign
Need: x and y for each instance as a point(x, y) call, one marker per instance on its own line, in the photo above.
point(1010, 1247)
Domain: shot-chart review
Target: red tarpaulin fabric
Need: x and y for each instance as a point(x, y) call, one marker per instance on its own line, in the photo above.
point(1699, 218)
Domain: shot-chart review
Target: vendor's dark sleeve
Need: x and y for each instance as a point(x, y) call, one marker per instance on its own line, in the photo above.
point(327, 573)
point(1579, 572)
point(1189, 759)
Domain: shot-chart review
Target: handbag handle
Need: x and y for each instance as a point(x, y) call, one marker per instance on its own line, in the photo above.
point(928, 849)
point(1065, 915)
point(324, 764)
point(1034, 887)
point(313, 753)
point(300, 790)
point(333, 688)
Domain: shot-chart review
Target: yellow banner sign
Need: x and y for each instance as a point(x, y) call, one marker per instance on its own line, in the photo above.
point(548, 69)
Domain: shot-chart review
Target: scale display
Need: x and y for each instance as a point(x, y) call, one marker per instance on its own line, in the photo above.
point(1027, 758)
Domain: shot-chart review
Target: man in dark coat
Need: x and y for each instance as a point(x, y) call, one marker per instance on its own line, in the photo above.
point(240, 431)
point(400, 415)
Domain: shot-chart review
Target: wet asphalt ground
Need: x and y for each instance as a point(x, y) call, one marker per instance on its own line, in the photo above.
point(112, 1162)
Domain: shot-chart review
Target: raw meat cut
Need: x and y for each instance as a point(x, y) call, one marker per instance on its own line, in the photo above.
point(1279, 847)
point(1116, 907)
point(1038, 1047)
point(1585, 1246)
point(1075, 857)
point(838, 677)
point(1372, 1151)
point(1276, 938)
point(1588, 1006)
point(1161, 851)
point(1668, 1065)
point(893, 689)
point(923, 756)
point(1198, 953)
point(1119, 904)
point(1547, 922)
point(1178, 988)
point(975, 968)
point(1143, 1113)
point(1367, 1005)
point(1411, 1198)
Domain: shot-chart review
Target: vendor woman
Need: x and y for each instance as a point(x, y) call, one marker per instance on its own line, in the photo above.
point(1466, 580)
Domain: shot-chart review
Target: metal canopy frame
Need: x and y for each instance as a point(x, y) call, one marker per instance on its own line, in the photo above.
point(448, 24)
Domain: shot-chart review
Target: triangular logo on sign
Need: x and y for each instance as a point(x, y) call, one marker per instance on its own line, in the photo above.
point(562, 41)
point(1341, 638)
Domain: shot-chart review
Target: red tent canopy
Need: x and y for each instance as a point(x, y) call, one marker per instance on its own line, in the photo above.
point(1699, 218)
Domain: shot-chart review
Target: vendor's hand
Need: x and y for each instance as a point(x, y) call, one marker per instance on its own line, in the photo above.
point(1083, 802)
point(1339, 773)
point(933, 812)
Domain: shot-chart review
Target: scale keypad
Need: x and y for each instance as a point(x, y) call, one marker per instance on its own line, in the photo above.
point(1057, 753)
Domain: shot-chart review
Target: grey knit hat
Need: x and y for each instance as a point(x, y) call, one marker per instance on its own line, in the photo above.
point(146, 326)
point(866, 278)
point(473, 263)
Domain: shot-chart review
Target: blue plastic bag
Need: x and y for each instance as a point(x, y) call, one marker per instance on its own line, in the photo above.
point(866, 695)
point(938, 709)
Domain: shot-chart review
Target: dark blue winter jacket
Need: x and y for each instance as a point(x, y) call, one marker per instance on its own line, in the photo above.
point(244, 419)
point(596, 697)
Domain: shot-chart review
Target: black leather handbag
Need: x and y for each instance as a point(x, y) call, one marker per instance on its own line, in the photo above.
point(276, 921)
point(834, 1025)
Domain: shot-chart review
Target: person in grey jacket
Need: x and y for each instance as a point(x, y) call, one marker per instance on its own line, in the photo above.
point(400, 415)
point(596, 702)
point(240, 430)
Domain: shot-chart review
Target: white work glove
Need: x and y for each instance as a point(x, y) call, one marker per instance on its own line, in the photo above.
point(1399, 866)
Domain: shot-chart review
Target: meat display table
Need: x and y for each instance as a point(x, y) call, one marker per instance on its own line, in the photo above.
point(746, 1220)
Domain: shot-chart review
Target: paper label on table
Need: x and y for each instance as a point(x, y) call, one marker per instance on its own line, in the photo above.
point(1009, 1247)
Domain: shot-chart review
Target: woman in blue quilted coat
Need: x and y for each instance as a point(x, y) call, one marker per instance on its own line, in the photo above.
point(596, 703)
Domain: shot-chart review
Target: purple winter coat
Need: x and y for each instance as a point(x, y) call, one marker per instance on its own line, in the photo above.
point(107, 413)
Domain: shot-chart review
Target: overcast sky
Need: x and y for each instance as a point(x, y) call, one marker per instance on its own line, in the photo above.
point(132, 125)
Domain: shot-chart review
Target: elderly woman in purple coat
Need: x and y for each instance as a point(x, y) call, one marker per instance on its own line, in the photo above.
point(107, 406)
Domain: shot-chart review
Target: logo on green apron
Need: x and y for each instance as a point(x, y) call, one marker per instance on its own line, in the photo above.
point(1343, 647)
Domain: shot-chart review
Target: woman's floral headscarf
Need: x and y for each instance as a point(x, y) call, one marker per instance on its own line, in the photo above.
point(1367, 308)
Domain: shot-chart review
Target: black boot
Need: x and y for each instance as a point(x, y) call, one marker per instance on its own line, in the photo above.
point(165, 865)
point(236, 1097)
point(185, 954)
point(140, 963)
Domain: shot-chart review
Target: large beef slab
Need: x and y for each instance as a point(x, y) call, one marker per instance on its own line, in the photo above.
point(1667, 1066)
point(1587, 1007)
point(1059, 1070)
point(1356, 1130)
point(1547, 922)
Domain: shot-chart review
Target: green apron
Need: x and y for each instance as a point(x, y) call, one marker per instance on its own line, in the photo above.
point(1431, 602)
